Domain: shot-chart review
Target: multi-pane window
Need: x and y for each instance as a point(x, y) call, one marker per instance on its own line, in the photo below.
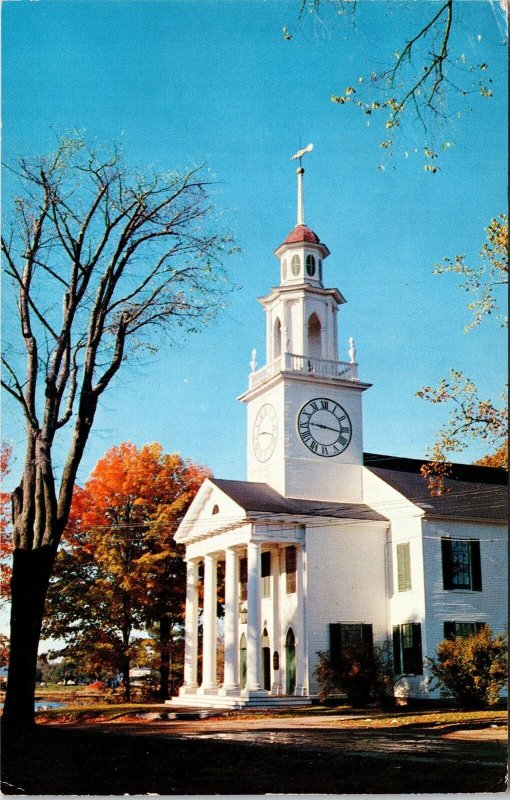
point(453, 629)
point(265, 572)
point(243, 579)
point(461, 564)
point(404, 566)
point(290, 569)
point(407, 652)
point(348, 640)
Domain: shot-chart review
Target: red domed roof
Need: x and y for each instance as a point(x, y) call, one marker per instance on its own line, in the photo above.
point(301, 233)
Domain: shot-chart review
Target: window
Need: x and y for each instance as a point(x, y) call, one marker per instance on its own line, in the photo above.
point(290, 569)
point(461, 564)
point(454, 629)
point(407, 654)
point(310, 265)
point(295, 265)
point(348, 640)
point(243, 579)
point(216, 509)
point(404, 566)
point(320, 269)
point(266, 574)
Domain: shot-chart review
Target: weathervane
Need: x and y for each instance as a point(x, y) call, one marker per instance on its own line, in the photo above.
point(300, 172)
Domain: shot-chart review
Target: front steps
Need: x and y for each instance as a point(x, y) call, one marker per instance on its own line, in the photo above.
point(238, 701)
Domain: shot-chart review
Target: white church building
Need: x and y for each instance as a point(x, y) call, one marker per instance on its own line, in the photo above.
point(324, 545)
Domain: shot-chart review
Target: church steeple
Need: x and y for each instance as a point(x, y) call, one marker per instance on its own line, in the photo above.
point(304, 405)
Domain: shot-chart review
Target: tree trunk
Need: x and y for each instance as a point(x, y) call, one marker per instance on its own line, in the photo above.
point(164, 664)
point(29, 585)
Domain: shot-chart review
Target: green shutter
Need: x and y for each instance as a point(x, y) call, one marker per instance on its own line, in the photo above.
point(367, 637)
point(417, 667)
point(449, 630)
point(397, 663)
point(335, 644)
point(446, 555)
point(476, 568)
point(404, 566)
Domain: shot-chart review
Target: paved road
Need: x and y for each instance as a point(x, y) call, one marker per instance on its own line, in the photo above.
point(248, 756)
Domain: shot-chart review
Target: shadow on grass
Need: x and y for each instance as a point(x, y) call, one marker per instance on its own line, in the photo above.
point(53, 760)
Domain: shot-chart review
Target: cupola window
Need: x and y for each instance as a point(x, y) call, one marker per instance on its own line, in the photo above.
point(310, 265)
point(295, 265)
point(320, 269)
point(216, 509)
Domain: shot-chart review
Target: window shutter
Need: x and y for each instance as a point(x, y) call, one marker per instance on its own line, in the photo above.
point(449, 630)
point(446, 555)
point(404, 566)
point(335, 644)
point(397, 664)
point(476, 568)
point(400, 567)
point(417, 651)
point(367, 637)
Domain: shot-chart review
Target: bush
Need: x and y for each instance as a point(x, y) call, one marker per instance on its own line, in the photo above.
point(364, 675)
point(472, 669)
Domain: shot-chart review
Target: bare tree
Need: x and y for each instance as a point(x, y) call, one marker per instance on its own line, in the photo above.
point(99, 257)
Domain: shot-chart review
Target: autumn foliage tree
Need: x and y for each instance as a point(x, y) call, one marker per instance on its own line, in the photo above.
point(120, 568)
point(473, 417)
point(100, 257)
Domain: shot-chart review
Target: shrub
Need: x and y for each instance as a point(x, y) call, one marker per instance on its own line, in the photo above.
point(363, 675)
point(472, 669)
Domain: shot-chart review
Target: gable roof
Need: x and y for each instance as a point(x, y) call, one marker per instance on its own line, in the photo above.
point(472, 492)
point(261, 498)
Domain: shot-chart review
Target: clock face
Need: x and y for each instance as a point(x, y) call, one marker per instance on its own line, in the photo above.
point(265, 432)
point(324, 427)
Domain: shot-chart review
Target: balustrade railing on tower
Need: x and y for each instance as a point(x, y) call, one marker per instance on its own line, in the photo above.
point(305, 365)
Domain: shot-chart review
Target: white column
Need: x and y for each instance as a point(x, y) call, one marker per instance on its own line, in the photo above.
point(191, 626)
point(301, 645)
point(231, 670)
point(209, 620)
point(275, 589)
point(253, 640)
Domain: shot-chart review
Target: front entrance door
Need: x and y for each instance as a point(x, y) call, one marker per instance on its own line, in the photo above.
point(243, 662)
point(290, 662)
point(266, 662)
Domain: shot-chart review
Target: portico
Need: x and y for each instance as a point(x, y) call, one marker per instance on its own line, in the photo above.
point(264, 623)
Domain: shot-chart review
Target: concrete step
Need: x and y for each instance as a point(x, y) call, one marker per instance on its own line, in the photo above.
point(237, 701)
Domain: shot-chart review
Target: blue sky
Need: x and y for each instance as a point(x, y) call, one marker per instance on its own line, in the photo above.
point(183, 83)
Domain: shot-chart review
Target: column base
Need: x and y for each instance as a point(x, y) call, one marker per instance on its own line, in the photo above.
point(253, 693)
point(230, 691)
point(209, 689)
point(189, 689)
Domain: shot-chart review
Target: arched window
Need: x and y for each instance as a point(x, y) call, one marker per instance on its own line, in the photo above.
point(290, 661)
point(320, 269)
point(310, 265)
point(295, 265)
point(314, 337)
point(243, 662)
point(216, 509)
point(284, 269)
point(277, 338)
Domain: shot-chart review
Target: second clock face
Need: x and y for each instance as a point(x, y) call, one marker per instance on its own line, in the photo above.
point(265, 432)
point(324, 427)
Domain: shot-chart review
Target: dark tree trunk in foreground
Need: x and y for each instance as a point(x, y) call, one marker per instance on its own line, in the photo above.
point(98, 258)
point(31, 573)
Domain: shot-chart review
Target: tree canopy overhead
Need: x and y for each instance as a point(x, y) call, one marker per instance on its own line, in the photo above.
point(100, 257)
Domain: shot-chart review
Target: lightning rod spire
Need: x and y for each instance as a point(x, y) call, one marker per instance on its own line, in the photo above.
point(300, 172)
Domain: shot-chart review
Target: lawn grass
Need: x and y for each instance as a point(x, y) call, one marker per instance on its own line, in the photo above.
point(364, 719)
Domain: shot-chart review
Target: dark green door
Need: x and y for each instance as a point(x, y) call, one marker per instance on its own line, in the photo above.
point(290, 662)
point(243, 662)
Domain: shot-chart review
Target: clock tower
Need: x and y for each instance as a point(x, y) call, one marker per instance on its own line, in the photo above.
point(304, 406)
